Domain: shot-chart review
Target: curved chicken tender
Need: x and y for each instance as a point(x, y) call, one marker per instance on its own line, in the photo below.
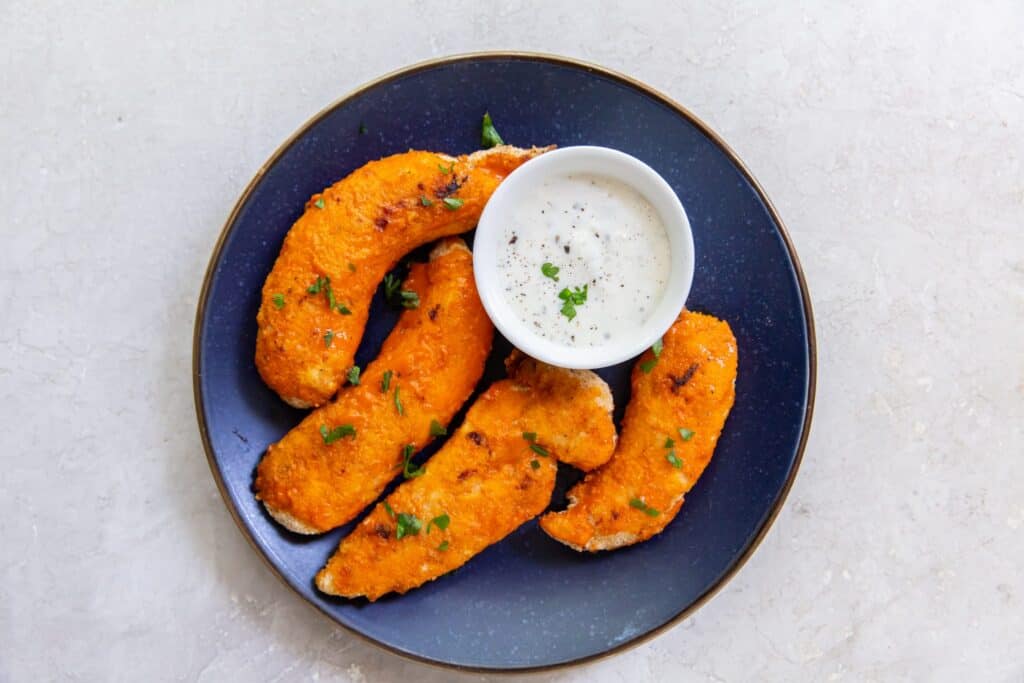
point(435, 355)
point(485, 481)
point(669, 432)
point(336, 254)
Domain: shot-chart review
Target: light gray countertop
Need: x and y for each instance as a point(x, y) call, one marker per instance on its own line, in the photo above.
point(890, 136)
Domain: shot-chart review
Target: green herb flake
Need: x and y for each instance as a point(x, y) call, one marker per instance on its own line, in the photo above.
point(648, 365)
point(344, 310)
point(278, 300)
point(443, 547)
point(398, 401)
point(387, 509)
point(669, 442)
point(643, 507)
point(331, 435)
point(488, 134)
point(437, 429)
point(352, 266)
point(674, 459)
point(572, 298)
point(410, 470)
point(657, 346)
point(385, 382)
point(409, 299)
point(408, 525)
point(446, 169)
point(453, 203)
point(329, 338)
point(534, 464)
point(391, 286)
point(530, 436)
point(319, 203)
point(686, 434)
point(353, 375)
point(425, 201)
point(550, 270)
point(318, 285)
point(539, 450)
point(441, 522)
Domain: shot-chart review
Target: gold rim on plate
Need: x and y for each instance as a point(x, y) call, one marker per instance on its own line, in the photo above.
point(682, 111)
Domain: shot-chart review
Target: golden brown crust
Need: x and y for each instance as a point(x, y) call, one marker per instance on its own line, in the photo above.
point(436, 354)
point(353, 233)
point(486, 479)
point(692, 386)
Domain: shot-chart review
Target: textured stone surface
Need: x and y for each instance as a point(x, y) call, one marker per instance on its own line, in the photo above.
point(889, 137)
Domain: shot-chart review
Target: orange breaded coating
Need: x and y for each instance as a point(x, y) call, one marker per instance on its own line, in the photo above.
point(486, 481)
point(669, 432)
point(349, 237)
point(432, 360)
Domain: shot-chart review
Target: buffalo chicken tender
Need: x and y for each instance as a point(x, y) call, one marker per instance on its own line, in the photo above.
point(672, 423)
point(348, 238)
point(338, 460)
point(494, 473)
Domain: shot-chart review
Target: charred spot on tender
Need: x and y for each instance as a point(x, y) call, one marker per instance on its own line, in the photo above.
point(419, 186)
point(615, 514)
point(432, 313)
point(465, 474)
point(679, 381)
point(451, 188)
point(477, 438)
point(382, 221)
point(525, 483)
point(382, 530)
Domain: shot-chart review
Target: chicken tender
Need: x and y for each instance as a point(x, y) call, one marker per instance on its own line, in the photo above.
point(326, 470)
point(336, 254)
point(669, 432)
point(495, 473)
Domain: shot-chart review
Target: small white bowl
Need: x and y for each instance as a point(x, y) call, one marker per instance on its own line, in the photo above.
point(601, 161)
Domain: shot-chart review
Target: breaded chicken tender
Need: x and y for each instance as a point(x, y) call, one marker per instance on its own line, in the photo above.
point(495, 472)
point(669, 432)
point(348, 238)
point(326, 470)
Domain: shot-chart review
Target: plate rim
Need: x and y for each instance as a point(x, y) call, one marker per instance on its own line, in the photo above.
point(550, 58)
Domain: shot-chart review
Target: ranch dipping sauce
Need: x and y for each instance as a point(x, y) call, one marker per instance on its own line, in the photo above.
point(585, 259)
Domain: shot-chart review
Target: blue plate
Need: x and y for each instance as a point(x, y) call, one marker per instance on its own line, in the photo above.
point(527, 602)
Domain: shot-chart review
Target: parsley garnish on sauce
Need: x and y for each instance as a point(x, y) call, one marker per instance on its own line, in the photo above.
point(329, 338)
point(453, 203)
point(319, 203)
point(437, 429)
point(572, 299)
point(443, 546)
point(674, 459)
point(353, 375)
point(408, 525)
point(643, 507)
point(669, 443)
point(550, 270)
point(409, 470)
point(488, 134)
point(686, 434)
point(385, 382)
point(398, 401)
point(424, 201)
point(530, 436)
point(441, 522)
point(278, 300)
point(331, 435)
point(323, 284)
point(539, 450)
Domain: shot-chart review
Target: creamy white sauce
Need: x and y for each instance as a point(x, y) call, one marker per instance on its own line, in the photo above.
point(600, 233)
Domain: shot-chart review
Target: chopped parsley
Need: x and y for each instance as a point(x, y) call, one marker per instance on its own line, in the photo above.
point(530, 436)
point(488, 134)
point(446, 169)
point(669, 442)
point(396, 296)
point(534, 464)
point(323, 284)
point(353, 375)
point(441, 522)
point(550, 270)
point(398, 401)
point(424, 201)
point(352, 266)
point(657, 346)
point(387, 509)
point(331, 435)
point(572, 299)
point(674, 459)
point(443, 546)
point(453, 203)
point(391, 285)
point(643, 507)
point(410, 470)
point(278, 300)
point(437, 429)
point(539, 450)
point(408, 525)
point(408, 299)
point(648, 365)
point(687, 434)
point(385, 382)
point(329, 338)
point(319, 203)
